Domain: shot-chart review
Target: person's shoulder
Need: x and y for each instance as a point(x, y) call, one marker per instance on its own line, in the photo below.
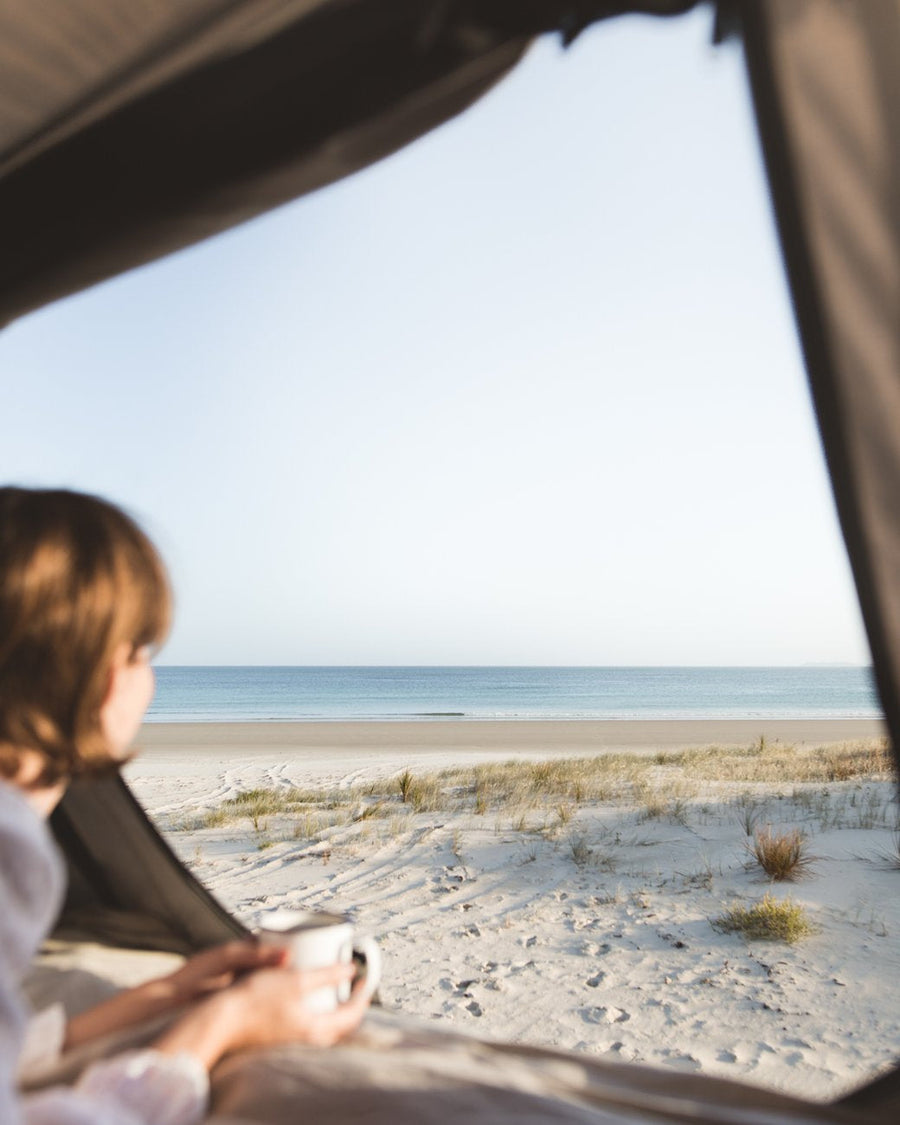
point(18, 817)
point(31, 877)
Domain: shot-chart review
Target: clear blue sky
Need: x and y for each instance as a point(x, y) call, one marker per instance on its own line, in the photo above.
point(527, 392)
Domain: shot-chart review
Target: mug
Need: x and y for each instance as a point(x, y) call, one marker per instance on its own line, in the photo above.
point(316, 939)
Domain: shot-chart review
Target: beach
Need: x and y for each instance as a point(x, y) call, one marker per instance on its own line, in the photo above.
point(585, 911)
point(327, 750)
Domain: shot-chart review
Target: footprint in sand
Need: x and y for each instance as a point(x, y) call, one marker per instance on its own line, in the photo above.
point(447, 882)
point(605, 1015)
point(474, 1008)
point(592, 949)
point(681, 1062)
point(595, 980)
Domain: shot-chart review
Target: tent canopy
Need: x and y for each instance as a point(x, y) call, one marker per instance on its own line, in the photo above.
point(131, 129)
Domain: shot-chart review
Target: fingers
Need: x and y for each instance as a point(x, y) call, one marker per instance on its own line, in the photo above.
point(237, 955)
point(217, 968)
point(344, 1020)
point(280, 985)
point(233, 957)
point(311, 979)
point(306, 982)
point(270, 1006)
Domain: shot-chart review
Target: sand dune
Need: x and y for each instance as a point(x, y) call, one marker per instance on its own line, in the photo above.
point(584, 923)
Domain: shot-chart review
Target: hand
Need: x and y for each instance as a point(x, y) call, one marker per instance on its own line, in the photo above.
point(215, 969)
point(270, 1006)
point(265, 1009)
point(205, 973)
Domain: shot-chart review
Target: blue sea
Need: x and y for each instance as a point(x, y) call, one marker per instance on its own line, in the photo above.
point(259, 694)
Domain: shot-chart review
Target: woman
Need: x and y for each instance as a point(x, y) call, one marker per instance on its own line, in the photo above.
point(84, 600)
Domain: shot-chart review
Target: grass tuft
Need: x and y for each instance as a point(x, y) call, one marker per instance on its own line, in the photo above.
point(782, 855)
point(771, 919)
point(406, 782)
point(564, 813)
point(889, 858)
point(580, 849)
point(748, 814)
point(371, 812)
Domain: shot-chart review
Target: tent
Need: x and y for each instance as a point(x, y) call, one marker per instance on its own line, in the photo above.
point(131, 128)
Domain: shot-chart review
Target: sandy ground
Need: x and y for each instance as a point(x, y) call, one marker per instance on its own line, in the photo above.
point(588, 929)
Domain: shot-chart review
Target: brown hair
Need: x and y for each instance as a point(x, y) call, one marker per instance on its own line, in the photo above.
point(78, 578)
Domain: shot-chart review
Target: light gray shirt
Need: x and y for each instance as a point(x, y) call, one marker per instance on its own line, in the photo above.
point(137, 1088)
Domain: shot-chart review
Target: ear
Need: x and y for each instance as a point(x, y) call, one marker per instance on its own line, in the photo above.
point(120, 659)
point(128, 695)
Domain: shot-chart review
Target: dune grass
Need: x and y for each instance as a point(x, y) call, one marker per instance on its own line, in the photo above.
point(783, 856)
point(549, 793)
point(659, 783)
point(770, 919)
point(889, 858)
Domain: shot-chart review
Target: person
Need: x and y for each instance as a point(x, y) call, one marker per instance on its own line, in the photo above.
point(84, 603)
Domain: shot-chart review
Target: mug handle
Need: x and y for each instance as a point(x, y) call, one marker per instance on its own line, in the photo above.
point(368, 947)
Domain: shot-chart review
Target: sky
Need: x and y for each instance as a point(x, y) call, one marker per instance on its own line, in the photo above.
point(527, 392)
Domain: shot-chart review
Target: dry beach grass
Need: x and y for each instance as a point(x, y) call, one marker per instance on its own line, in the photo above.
point(770, 919)
point(659, 786)
point(610, 903)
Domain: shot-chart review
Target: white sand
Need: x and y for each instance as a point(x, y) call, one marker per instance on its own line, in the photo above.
point(501, 931)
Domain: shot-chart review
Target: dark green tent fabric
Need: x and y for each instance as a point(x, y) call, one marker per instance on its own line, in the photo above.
point(126, 888)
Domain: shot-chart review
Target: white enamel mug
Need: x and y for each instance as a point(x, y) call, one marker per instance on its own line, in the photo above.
point(316, 939)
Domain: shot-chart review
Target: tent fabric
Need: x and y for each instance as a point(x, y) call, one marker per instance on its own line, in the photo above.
point(826, 87)
point(126, 887)
point(878, 1100)
point(403, 1072)
point(170, 120)
point(400, 1071)
point(228, 110)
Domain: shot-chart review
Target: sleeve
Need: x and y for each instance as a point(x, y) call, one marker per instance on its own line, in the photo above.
point(42, 1045)
point(137, 1088)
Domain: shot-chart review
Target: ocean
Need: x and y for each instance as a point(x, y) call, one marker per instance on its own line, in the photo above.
point(260, 694)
